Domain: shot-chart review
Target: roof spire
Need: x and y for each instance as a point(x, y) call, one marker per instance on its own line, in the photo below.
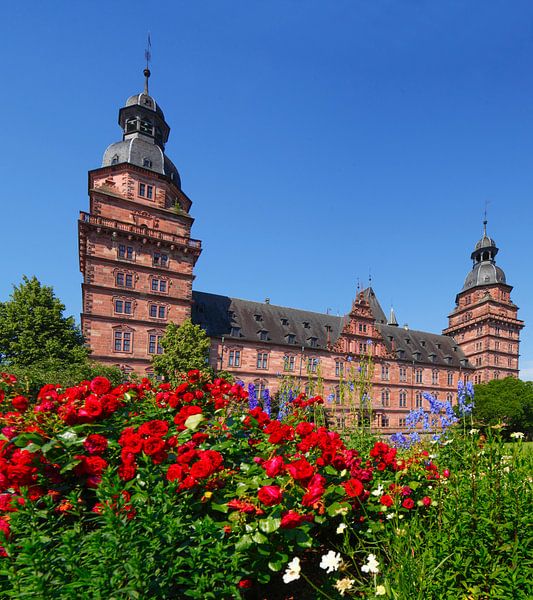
point(148, 57)
point(485, 219)
point(392, 319)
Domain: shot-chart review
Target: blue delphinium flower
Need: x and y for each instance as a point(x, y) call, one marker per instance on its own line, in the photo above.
point(464, 393)
point(330, 398)
point(252, 396)
point(266, 402)
point(400, 440)
point(240, 382)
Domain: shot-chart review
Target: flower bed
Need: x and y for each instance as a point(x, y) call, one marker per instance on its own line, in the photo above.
point(138, 457)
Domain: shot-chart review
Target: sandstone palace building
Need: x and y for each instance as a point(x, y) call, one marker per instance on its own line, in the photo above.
point(137, 258)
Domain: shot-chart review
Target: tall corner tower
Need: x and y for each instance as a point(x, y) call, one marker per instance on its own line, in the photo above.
point(484, 321)
point(135, 250)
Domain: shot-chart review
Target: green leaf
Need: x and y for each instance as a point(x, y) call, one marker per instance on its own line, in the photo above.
point(244, 543)
point(219, 507)
point(193, 421)
point(259, 538)
point(269, 525)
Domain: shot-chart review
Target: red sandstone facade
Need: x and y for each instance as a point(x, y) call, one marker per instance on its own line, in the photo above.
point(137, 259)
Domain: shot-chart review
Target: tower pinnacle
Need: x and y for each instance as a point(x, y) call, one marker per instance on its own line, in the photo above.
point(148, 57)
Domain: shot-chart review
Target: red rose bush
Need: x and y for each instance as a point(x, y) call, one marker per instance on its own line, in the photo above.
point(272, 489)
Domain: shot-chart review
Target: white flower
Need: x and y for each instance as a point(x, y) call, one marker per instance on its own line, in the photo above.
point(378, 491)
point(341, 527)
point(473, 431)
point(517, 435)
point(343, 585)
point(390, 516)
point(331, 561)
point(371, 565)
point(380, 590)
point(292, 573)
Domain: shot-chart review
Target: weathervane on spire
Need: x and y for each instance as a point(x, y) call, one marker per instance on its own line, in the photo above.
point(485, 218)
point(148, 57)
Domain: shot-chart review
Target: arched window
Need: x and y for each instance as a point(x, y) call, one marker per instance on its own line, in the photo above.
point(114, 160)
point(418, 400)
point(146, 127)
point(385, 398)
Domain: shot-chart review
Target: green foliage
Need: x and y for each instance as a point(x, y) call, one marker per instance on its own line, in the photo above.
point(185, 347)
point(33, 377)
point(508, 401)
point(475, 544)
point(33, 328)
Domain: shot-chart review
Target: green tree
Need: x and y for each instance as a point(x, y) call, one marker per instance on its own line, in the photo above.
point(185, 347)
point(508, 401)
point(34, 330)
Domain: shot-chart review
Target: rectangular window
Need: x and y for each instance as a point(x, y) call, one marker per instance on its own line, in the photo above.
point(120, 279)
point(235, 332)
point(160, 260)
point(262, 360)
point(419, 400)
point(419, 376)
point(162, 312)
point(362, 348)
point(159, 285)
point(125, 251)
point(291, 338)
point(385, 372)
point(288, 363)
point(129, 280)
point(122, 341)
point(403, 399)
point(119, 306)
point(402, 422)
point(403, 374)
point(312, 364)
point(339, 368)
point(450, 378)
point(149, 192)
point(435, 378)
point(234, 359)
point(153, 311)
point(142, 189)
point(154, 344)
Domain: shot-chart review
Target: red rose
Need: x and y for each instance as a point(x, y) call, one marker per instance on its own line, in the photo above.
point(304, 428)
point(408, 503)
point(292, 519)
point(193, 375)
point(100, 385)
point(201, 469)
point(269, 495)
point(175, 472)
point(313, 495)
point(95, 443)
point(153, 445)
point(245, 584)
point(353, 488)
point(300, 469)
point(154, 428)
point(92, 409)
point(274, 466)
point(386, 500)
point(426, 501)
point(20, 403)
point(127, 472)
point(131, 441)
point(184, 414)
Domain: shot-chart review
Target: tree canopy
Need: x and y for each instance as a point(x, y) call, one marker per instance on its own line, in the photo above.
point(508, 401)
point(33, 328)
point(185, 347)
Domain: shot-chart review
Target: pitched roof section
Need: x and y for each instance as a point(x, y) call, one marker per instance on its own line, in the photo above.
point(244, 320)
point(219, 314)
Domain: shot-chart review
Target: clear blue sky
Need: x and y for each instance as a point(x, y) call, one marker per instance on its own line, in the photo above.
point(317, 141)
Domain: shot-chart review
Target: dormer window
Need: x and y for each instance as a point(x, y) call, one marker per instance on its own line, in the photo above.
point(313, 342)
point(284, 321)
point(114, 160)
point(235, 332)
point(258, 318)
point(263, 335)
point(432, 357)
point(291, 338)
point(306, 324)
point(423, 343)
point(147, 163)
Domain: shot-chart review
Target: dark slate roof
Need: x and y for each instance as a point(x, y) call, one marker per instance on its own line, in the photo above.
point(219, 314)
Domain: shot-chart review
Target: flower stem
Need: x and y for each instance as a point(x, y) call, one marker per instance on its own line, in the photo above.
point(317, 588)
